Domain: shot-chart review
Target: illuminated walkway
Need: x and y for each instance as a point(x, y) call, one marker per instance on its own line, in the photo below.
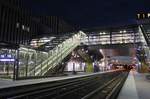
point(135, 87)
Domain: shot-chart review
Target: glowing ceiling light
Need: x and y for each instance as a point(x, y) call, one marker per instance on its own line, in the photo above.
point(104, 32)
point(124, 31)
point(120, 31)
point(121, 42)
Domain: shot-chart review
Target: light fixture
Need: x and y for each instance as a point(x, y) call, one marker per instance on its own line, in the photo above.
point(120, 31)
point(124, 31)
point(104, 32)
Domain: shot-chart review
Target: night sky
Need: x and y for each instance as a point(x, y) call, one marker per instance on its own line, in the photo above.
point(91, 13)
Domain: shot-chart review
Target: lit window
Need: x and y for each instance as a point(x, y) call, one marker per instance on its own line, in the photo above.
point(9, 56)
point(23, 27)
point(2, 56)
point(17, 25)
point(28, 29)
point(120, 31)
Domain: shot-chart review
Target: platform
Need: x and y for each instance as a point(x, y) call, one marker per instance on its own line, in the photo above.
point(6, 83)
point(137, 86)
point(10, 83)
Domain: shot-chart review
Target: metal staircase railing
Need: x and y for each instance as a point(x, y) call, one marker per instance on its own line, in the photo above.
point(57, 55)
point(53, 61)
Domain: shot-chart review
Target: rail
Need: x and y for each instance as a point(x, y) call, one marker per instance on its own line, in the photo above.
point(78, 87)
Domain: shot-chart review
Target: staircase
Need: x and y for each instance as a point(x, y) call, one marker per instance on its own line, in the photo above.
point(49, 55)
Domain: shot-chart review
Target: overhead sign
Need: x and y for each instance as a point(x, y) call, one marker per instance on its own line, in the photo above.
point(143, 16)
point(7, 58)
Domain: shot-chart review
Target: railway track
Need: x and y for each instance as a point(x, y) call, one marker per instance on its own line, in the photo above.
point(109, 90)
point(98, 86)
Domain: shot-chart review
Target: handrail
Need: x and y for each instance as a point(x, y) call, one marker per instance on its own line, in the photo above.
point(57, 57)
point(52, 59)
point(41, 66)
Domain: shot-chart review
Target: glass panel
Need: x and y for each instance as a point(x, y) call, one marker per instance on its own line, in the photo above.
point(7, 62)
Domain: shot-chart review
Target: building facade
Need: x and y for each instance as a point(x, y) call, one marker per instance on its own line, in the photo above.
point(16, 25)
point(19, 26)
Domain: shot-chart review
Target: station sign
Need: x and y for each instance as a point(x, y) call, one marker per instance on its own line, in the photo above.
point(143, 16)
point(6, 58)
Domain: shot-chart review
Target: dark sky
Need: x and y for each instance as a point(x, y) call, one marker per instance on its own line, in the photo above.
point(91, 13)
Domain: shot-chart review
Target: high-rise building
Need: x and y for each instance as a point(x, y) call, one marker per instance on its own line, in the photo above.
point(16, 26)
point(19, 26)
